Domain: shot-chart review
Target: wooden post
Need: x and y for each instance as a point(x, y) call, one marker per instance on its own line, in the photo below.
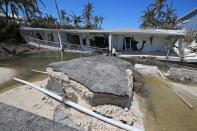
point(60, 41)
point(181, 50)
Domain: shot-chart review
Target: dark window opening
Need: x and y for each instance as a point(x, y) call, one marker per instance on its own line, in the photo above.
point(130, 43)
point(101, 42)
point(39, 36)
point(134, 45)
point(84, 42)
point(74, 39)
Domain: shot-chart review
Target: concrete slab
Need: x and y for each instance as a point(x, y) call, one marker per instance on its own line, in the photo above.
point(15, 119)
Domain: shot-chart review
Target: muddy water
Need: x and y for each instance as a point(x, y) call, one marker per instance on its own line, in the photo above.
point(25, 63)
point(163, 110)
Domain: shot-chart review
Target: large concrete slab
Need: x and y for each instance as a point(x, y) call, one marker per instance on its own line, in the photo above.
point(101, 74)
point(15, 119)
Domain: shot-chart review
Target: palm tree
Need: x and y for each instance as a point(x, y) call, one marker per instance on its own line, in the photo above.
point(50, 19)
point(2, 10)
point(31, 8)
point(98, 20)
point(76, 19)
point(170, 18)
point(62, 16)
point(28, 7)
point(148, 19)
point(157, 6)
point(68, 20)
point(87, 13)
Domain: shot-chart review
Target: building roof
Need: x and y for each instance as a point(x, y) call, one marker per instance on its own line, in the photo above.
point(193, 11)
point(116, 31)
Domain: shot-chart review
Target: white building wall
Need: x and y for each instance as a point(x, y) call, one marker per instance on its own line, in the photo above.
point(55, 37)
point(64, 37)
point(118, 42)
point(157, 45)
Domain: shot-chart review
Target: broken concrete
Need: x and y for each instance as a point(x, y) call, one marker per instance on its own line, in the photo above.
point(182, 75)
point(15, 119)
point(101, 74)
point(103, 84)
point(74, 91)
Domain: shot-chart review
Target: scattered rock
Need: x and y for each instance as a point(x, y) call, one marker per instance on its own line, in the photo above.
point(182, 75)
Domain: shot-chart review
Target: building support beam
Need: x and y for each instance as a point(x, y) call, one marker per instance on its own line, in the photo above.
point(130, 44)
point(60, 41)
point(181, 49)
point(110, 43)
point(168, 49)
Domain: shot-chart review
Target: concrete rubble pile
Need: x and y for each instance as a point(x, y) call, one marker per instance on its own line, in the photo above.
point(104, 84)
point(182, 75)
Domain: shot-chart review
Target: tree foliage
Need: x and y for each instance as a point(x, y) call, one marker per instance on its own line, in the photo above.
point(159, 15)
point(34, 16)
point(11, 8)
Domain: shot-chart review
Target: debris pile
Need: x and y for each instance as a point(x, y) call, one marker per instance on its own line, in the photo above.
point(103, 84)
point(182, 75)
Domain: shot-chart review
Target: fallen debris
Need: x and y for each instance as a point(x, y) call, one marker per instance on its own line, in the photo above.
point(80, 108)
point(182, 75)
point(187, 94)
point(101, 83)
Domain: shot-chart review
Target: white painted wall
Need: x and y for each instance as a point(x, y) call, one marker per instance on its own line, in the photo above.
point(157, 45)
point(118, 42)
point(64, 37)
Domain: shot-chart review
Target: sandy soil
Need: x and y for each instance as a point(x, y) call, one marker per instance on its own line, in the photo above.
point(36, 102)
point(6, 74)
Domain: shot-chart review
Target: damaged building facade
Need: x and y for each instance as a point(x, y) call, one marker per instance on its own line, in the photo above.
point(123, 41)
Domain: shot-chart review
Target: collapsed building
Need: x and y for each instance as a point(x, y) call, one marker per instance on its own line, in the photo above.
point(123, 40)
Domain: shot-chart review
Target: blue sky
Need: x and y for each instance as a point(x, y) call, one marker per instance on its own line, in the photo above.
point(117, 13)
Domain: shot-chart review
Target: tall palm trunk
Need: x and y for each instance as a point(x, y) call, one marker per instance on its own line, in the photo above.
point(6, 9)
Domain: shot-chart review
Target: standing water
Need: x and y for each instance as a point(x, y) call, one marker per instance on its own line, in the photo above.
point(25, 63)
point(162, 109)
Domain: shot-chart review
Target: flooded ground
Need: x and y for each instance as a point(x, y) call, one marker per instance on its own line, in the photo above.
point(162, 109)
point(25, 63)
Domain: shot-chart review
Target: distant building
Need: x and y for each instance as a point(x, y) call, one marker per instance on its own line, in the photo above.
point(189, 20)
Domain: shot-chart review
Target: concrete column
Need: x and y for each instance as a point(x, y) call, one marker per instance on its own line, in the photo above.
point(130, 44)
point(168, 49)
point(110, 43)
point(181, 50)
point(60, 41)
point(80, 39)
